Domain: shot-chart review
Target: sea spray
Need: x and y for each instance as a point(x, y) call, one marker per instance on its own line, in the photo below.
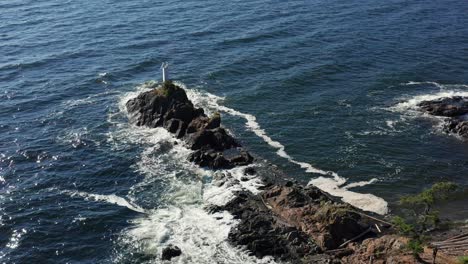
point(179, 217)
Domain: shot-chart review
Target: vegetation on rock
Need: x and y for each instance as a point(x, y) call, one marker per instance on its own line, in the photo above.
point(423, 217)
point(167, 89)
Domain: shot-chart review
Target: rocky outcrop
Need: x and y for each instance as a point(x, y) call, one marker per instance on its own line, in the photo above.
point(457, 126)
point(296, 223)
point(168, 106)
point(385, 249)
point(447, 106)
point(285, 220)
point(454, 108)
point(170, 252)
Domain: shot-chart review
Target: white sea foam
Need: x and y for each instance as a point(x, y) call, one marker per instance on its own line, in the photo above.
point(202, 237)
point(367, 202)
point(361, 200)
point(224, 186)
point(408, 105)
point(110, 198)
point(411, 104)
point(177, 216)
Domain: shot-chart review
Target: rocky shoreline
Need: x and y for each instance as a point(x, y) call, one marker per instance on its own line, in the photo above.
point(288, 221)
point(454, 109)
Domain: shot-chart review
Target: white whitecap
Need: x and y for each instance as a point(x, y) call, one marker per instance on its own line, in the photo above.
point(110, 198)
point(178, 217)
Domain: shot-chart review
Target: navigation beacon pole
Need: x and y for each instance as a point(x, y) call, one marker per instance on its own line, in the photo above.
point(165, 72)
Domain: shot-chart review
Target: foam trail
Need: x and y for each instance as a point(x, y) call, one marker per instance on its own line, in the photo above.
point(211, 101)
point(364, 201)
point(360, 183)
point(367, 202)
point(111, 198)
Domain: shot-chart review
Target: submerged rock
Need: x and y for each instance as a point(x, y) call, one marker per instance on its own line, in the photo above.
point(168, 106)
point(170, 252)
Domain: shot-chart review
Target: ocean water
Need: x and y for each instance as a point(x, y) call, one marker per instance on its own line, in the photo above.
point(325, 90)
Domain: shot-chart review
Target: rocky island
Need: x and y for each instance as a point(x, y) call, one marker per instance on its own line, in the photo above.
point(288, 221)
point(454, 109)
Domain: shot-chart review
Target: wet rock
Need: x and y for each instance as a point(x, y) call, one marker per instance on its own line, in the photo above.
point(177, 127)
point(250, 171)
point(265, 235)
point(214, 121)
point(170, 252)
point(217, 139)
point(455, 108)
point(169, 106)
point(457, 126)
point(448, 106)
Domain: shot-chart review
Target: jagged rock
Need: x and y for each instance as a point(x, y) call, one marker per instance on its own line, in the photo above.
point(250, 171)
point(214, 121)
point(265, 235)
point(170, 252)
point(330, 224)
point(217, 139)
point(169, 106)
point(237, 156)
point(448, 106)
point(177, 127)
point(457, 126)
point(386, 249)
point(455, 108)
point(299, 223)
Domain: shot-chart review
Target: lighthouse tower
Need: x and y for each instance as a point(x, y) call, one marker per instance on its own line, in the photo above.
point(165, 72)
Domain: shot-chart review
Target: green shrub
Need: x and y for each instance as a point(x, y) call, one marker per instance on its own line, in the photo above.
point(463, 259)
point(415, 246)
point(403, 227)
point(167, 88)
point(423, 215)
point(422, 204)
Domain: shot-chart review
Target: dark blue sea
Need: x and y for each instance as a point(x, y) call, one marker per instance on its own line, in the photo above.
point(325, 90)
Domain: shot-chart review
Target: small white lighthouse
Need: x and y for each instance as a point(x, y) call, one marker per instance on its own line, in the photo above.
point(165, 72)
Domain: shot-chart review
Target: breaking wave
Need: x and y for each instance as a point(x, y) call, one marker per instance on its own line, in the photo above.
point(408, 105)
point(176, 215)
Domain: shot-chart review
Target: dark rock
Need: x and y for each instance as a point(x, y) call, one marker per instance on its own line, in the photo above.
point(214, 122)
point(217, 139)
point(250, 171)
point(448, 106)
point(457, 126)
point(197, 124)
point(453, 107)
point(264, 234)
point(170, 252)
point(169, 106)
point(177, 127)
